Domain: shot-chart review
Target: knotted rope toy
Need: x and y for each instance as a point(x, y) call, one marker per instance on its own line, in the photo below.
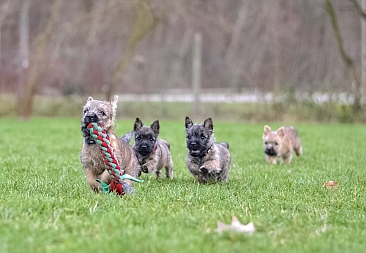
point(110, 161)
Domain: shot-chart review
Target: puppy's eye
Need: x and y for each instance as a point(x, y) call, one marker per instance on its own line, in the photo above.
point(102, 113)
point(86, 110)
point(138, 138)
point(189, 137)
point(203, 137)
point(265, 143)
point(276, 143)
point(152, 139)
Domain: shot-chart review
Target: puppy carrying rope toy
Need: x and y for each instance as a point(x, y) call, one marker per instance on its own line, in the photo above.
point(110, 162)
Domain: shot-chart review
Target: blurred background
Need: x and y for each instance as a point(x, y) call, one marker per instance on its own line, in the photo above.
point(245, 59)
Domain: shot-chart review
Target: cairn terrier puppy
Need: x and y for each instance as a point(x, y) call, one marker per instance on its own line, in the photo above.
point(280, 144)
point(104, 113)
point(152, 154)
point(207, 160)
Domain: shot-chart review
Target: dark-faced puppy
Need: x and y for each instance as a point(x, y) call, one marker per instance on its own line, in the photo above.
point(104, 113)
point(152, 154)
point(207, 160)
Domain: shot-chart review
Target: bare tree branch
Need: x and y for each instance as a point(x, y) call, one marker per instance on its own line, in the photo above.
point(4, 10)
point(329, 8)
point(96, 13)
point(358, 8)
point(346, 58)
point(145, 22)
point(25, 102)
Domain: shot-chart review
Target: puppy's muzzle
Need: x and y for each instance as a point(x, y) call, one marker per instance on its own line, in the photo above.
point(90, 118)
point(144, 149)
point(193, 148)
point(87, 119)
point(270, 151)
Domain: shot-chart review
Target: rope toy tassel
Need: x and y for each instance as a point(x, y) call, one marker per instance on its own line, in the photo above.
point(117, 174)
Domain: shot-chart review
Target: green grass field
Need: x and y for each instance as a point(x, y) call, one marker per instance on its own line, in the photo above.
point(46, 205)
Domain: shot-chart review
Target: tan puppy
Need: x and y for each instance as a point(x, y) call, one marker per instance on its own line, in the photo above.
point(280, 144)
point(104, 113)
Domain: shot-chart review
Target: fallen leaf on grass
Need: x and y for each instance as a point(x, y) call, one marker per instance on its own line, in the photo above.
point(330, 184)
point(235, 226)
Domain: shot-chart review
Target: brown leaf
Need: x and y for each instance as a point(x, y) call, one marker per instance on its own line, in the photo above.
point(330, 184)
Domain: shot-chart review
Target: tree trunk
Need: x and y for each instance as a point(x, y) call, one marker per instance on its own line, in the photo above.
point(356, 84)
point(144, 23)
point(36, 63)
point(24, 56)
point(4, 9)
point(232, 50)
point(196, 73)
point(360, 9)
point(363, 54)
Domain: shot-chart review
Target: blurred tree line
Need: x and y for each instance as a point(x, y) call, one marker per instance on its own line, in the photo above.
point(91, 47)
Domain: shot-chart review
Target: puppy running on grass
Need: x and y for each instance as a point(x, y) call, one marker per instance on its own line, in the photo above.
point(152, 154)
point(280, 144)
point(104, 113)
point(207, 160)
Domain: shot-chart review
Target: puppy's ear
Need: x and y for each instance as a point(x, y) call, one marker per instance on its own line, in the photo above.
point(90, 99)
point(114, 102)
point(281, 132)
point(155, 126)
point(127, 137)
point(267, 129)
point(138, 124)
point(208, 124)
point(189, 122)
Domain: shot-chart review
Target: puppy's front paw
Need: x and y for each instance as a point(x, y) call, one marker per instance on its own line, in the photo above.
point(144, 169)
point(206, 170)
point(216, 170)
point(203, 170)
point(127, 188)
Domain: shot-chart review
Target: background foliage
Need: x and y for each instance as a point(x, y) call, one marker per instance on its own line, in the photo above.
point(247, 45)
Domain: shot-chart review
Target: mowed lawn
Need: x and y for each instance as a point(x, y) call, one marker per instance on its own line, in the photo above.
point(47, 206)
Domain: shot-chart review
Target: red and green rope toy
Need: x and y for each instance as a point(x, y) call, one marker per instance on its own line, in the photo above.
point(110, 162)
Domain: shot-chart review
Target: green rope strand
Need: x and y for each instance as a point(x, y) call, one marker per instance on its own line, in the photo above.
point(110, 161)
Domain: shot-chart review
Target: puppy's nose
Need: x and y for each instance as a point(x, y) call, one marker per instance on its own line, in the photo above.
point(270, 151)
point(91, 117)
point(193, 143)
point(143, 146)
